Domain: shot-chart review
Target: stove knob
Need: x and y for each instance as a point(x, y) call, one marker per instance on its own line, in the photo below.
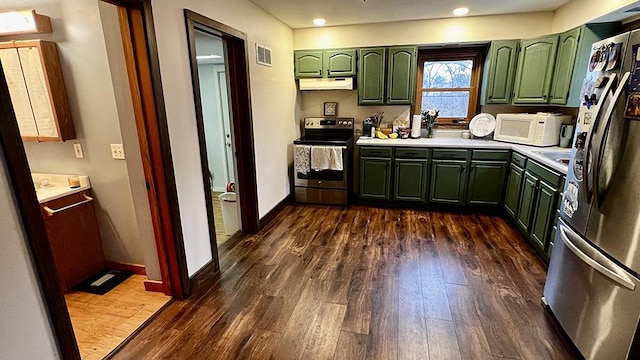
point(350, 122)
point(306, 122)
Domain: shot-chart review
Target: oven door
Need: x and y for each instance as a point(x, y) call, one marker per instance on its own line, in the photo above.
point(331, 179)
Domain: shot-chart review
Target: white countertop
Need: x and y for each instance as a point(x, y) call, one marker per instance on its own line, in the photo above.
point(55, 186)
point(459, 143)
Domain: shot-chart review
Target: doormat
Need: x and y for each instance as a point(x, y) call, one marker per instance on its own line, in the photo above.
point(103, 281)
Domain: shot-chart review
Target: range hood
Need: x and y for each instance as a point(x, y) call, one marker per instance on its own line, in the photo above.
point(327, 84)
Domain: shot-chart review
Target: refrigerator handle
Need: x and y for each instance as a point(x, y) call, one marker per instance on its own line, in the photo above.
point(586, 181)
point(610, 270)
point(597, 195)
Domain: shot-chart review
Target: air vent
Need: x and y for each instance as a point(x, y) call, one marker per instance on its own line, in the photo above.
point(263, 55)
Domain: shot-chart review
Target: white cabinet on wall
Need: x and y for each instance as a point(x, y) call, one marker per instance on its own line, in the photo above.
point(36, 87)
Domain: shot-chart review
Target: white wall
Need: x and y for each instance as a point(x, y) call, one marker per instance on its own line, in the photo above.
point(25, 332)
point(88, 78)
point(578, 12)
point(273, 96)
point(421, 32)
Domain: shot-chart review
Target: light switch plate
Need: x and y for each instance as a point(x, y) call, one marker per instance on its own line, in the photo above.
point(78, 150)
point(117, 151)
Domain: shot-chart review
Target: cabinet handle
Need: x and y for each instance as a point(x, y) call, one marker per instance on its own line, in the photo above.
point(51, 212)
point(490, 97)
point(544, 96)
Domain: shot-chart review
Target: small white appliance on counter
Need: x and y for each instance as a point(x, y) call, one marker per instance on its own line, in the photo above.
point(541, 129)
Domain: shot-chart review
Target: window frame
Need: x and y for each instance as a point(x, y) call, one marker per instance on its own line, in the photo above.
point(476, 54)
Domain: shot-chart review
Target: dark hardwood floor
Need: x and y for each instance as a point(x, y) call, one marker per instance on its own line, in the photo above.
point(327, 282)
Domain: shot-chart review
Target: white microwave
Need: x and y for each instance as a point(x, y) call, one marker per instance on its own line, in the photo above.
point(541, 129)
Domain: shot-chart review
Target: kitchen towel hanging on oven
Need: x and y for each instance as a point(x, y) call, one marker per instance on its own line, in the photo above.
point(327, 158)
point(302, 159)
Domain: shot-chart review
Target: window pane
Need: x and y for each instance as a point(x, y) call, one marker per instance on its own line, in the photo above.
point(450, 103)
point(447, 74)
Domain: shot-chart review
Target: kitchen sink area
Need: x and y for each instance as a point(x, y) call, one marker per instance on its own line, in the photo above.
point(562, 157)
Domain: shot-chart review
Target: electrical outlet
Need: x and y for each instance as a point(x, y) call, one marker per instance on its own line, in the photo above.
point(117, 151)
point(78, 149)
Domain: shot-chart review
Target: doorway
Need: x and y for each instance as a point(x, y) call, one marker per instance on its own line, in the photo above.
point(219, 73)
point(212, 79)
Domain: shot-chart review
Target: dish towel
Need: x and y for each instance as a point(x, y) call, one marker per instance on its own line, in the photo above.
point(320, 157)
point(335, 160)
point(302, 157)
point(327, 158)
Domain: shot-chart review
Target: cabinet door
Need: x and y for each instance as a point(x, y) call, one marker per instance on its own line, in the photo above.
point(448, 181)
point(308, 63)
point(410, 180)
point(19, 94)
point(562, 75)
point(512, 193)
point(371, 68)
point(375, 178)
point(527, 201)
point(486, 182)
point(502, 66)
point(340, 63)
point(535, 70)
point(401, 77)
point(543, 215)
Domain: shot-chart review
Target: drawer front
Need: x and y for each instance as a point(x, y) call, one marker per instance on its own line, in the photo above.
point(412, 153)
point(518, 159)
point(490, 155)
point(544, 173)
point(372, 151)
point(449, 154)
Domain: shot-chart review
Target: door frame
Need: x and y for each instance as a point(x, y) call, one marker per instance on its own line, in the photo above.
point(238, 87)
point(156, 143)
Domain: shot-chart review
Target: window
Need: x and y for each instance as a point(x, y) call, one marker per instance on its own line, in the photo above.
point(449, 81)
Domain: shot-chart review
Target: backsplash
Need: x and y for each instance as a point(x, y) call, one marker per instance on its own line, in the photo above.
point(312, 104)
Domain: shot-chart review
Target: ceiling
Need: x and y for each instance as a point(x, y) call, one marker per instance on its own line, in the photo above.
point(299, 13)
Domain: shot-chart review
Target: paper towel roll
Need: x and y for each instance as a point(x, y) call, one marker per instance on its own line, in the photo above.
point(415, 126)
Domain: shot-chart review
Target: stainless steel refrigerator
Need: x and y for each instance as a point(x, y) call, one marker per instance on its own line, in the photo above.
point(593, 281)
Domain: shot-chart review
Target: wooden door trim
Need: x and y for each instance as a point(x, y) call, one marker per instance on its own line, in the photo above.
point(137, 61)
point(241, 121)
point(33, 225)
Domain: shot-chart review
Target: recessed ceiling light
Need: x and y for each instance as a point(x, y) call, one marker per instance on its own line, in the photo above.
point(319, 21)
point(460, 11)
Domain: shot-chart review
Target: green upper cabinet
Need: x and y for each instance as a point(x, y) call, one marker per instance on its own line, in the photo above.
point(486, 182)
point(588, 34)
point(567, 50)
point(325, 63)
point(401, 76)
point(387, 75)
point(308, 63)
point(340, 63)
point(535, 70)
point(448, 180)
point(371, 70)
point(410, 180)
point(498, 81)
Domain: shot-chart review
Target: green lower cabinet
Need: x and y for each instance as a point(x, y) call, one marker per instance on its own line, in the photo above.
point(512, 191)
point(527, 200)
point(486, 182)
point(448, 181)
point(375, 178)
point(410, 180)
point(543, 216)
